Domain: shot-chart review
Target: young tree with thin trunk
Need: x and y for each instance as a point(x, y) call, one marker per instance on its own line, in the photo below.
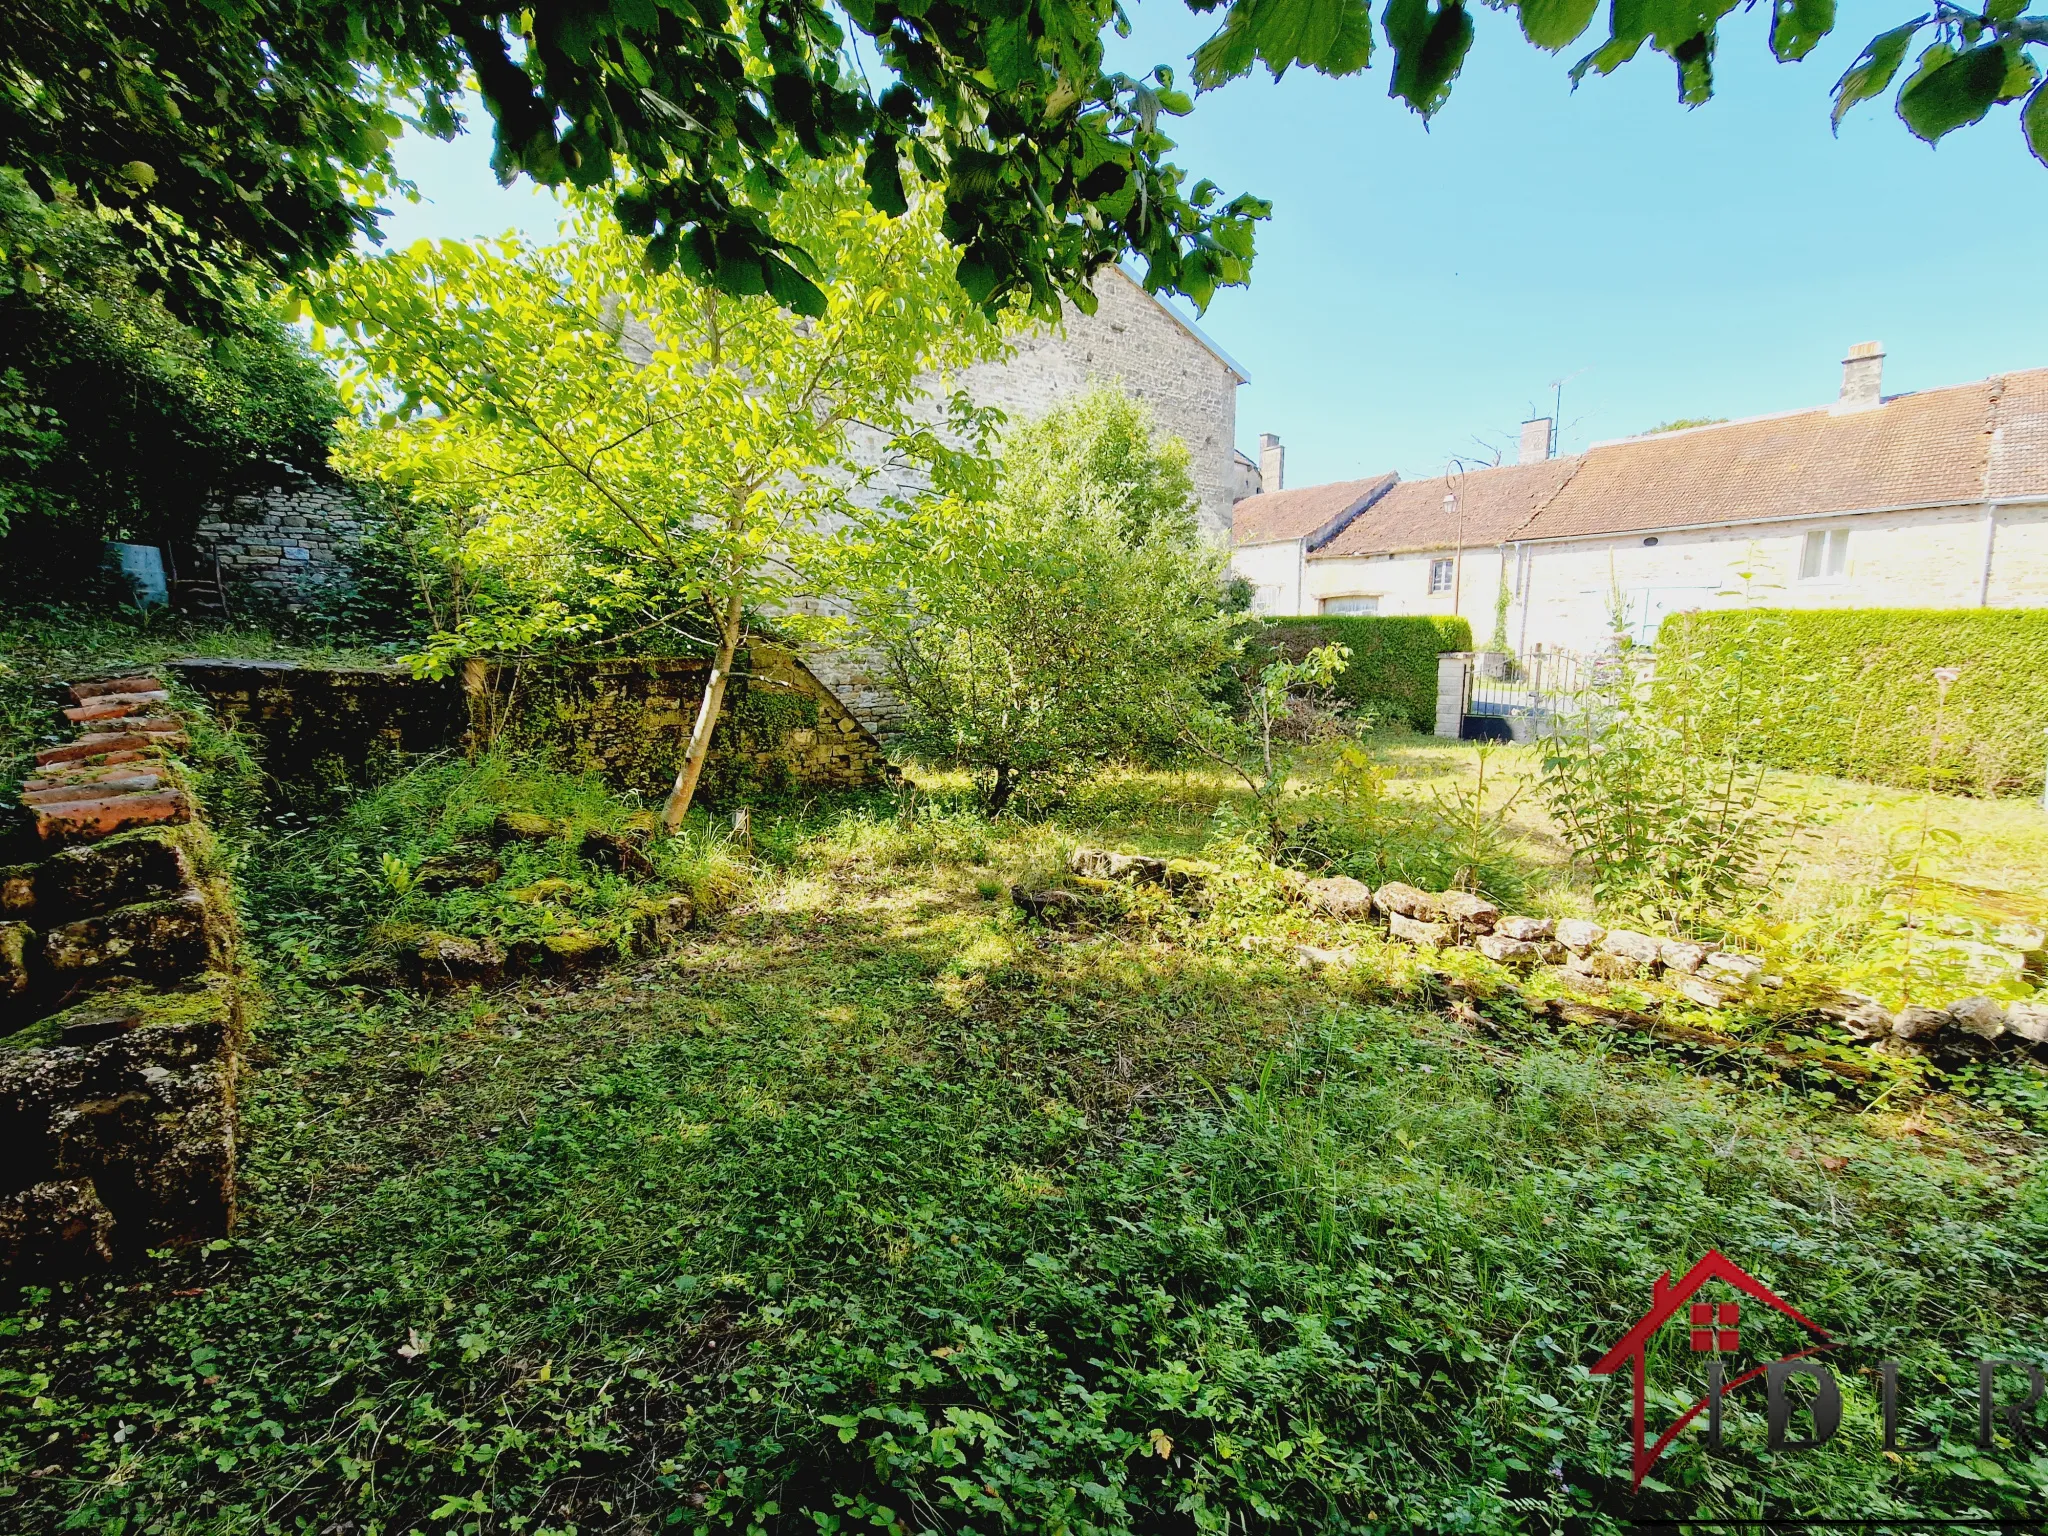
point(612, 441)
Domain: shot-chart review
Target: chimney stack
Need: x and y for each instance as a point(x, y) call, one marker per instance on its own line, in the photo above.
point(1862, 377)
point(1272, 462)
point(1535, 441)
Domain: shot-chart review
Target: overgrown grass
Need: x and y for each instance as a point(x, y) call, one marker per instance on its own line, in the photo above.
point(876, 1208)
point(320, 885)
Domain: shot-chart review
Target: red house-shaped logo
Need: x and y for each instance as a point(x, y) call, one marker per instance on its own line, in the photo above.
point(1715, 1327)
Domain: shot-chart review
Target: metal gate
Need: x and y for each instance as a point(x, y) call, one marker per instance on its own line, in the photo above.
point(1515, 698)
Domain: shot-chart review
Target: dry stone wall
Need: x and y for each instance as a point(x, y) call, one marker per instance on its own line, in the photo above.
point(120, 1006)
point(287, 546)
point(625, 720)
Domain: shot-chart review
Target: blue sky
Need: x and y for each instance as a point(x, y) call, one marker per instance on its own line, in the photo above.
point(1417, 291)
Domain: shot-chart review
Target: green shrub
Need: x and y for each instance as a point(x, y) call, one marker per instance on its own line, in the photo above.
point(1853, 690)
point(1393, 659)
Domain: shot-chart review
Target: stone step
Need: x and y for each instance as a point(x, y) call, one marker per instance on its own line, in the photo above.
point(72, 821)
point(64, 775)
point(99, 744)
point(99, 690)
point(116, 782)
point(98, 700)
point(127, 710)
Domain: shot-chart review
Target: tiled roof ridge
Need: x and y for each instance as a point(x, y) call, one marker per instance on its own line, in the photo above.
point(1578, 462)
point(1338, 522)
point(1986, 383)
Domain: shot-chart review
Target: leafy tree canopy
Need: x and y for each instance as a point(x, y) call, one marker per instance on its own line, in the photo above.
point(232, 133)
point(117, 419)
point(609, 443)
point(1096, 454)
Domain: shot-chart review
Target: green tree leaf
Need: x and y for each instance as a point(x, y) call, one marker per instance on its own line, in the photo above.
point(2034, 122)
point(1333, 37)
point(2020, 76)
point(1430, 42)
point(1797, 26)
point(1555, 24)
point(883, 170)
point(1951, 90)
point(1874, 68)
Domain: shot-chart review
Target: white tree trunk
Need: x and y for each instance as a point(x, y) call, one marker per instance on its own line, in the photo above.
point(685, 790)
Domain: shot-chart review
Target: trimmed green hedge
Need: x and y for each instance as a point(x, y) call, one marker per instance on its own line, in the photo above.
point(1393, 659)
point(1854, 691)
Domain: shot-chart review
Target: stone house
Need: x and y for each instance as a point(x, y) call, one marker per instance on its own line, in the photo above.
point(1934, 499)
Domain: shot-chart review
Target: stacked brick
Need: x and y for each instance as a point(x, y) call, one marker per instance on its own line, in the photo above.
point(113, 775)
point(120, 1020)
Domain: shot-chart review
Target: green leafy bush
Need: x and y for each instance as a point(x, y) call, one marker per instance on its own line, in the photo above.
point(1652, 788)
point(1393, 659)
point(1852, 691)
point(1070, 620)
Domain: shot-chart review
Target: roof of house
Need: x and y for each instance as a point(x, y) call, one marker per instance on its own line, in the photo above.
point(1939, 447)
point(1491, 504)
point(1315, 512)
point(2019, 425)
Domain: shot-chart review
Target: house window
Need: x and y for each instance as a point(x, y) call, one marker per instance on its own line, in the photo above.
point(1825, 555)
point(1351, 605)
point(1439, 576)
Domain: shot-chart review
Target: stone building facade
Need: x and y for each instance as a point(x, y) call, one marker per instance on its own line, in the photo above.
point(1154, 354)
point(1157, 356)
point(281, 548)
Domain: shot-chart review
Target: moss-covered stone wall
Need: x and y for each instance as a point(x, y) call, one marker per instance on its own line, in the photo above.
point(120, 1001)
point(629, 720)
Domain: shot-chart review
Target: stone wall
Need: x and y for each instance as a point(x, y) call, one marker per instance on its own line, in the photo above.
point(1134, 340)
point(319, 724)
point(283, 547)
point(628, 720)
point(120, 1006)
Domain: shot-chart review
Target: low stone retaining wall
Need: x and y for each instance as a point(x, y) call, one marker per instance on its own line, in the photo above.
point(1701, 974)
point(625, 720)
point(120, 1008)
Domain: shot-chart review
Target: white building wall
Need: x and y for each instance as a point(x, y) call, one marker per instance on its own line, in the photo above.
point(1401, 583)
point(1275, 574)
point(1923, 559)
